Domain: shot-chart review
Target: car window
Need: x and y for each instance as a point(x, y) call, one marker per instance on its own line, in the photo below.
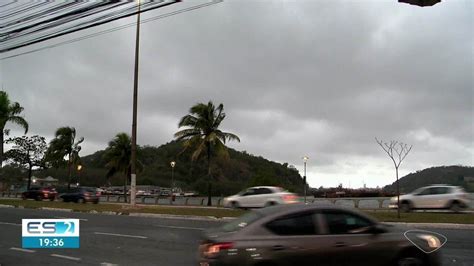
point(249, 192)
point(263, 191)
point(345, 223)
point(441, 190)
point(299, 224)
point(426, 191)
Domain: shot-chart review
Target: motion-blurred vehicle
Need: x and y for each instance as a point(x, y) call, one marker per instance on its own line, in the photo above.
point(433, 197)
point(81, 195)
point(39, 193)
point(300, 234)
point(257, 197)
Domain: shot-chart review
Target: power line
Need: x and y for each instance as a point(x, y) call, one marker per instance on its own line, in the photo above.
point(117, 28)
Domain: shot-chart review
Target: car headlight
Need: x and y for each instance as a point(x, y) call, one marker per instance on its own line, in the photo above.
point(432, 241)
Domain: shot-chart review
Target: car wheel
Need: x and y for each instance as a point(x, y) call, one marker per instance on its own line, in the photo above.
point(81, 200)
point(23, 197)
point(410, 260)
point(455, 207)
point(52, 199)
point(405, 206)
point(96, 202)
point(234, 205)
point(38, 198)
point(270, 203)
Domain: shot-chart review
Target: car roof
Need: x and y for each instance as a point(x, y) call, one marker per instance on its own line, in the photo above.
point(300, 207)
point(269, 187)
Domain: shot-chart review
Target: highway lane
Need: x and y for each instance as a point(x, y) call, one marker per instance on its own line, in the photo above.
point(125, 240)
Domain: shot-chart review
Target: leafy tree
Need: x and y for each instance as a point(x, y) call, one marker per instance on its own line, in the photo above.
point(203, 134)
point(9, 112)
point(118, 157)
point(27, 152)
point(64, 145)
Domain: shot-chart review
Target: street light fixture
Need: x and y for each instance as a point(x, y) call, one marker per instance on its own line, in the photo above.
point(79, 168)
point(305, 159)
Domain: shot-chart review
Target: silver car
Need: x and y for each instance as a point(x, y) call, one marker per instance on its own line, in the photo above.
point(299, 234)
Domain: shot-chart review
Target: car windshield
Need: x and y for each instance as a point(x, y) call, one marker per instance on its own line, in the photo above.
point(241, 222)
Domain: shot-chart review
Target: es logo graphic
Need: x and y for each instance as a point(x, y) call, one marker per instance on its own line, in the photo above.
point(50, 233)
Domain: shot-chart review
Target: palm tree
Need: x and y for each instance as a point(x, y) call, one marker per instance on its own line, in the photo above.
point(118, 156)
point(9, 112)
point(64, 145)
point(204, 135)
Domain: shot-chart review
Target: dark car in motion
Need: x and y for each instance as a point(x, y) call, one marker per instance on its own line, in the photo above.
point(39, 193)
point(81, 195)
point(302, 234)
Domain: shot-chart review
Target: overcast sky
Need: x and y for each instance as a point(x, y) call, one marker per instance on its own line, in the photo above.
point(316, 78)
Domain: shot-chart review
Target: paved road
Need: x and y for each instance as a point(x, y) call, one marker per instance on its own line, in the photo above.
point(124, 240)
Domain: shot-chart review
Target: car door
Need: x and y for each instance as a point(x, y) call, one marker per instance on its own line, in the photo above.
point(422, 199)
point(349, 241)
point(262, 196)
point(247, 198)
point(294, 240)
point(441, 198)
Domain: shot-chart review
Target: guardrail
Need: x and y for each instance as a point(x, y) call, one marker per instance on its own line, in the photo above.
point(360, 203)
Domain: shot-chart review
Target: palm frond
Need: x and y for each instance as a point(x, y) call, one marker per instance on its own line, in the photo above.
point(19, 121)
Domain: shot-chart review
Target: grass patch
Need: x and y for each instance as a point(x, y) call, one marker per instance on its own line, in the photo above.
point(381, 215)
point(124, 209)
point(423, 217)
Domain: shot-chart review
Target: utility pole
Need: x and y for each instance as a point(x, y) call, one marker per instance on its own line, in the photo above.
point(133, 182)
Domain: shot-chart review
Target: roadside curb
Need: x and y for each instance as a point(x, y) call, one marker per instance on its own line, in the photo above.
point(55, 209)
point(6, 206)
point(182, 217)
point(435, 225)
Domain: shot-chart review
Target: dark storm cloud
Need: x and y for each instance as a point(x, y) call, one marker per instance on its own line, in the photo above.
point(321, 78)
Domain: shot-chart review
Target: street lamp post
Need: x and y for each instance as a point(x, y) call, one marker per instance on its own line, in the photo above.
point(79, 168)
point(173, 164)
point(305, 159)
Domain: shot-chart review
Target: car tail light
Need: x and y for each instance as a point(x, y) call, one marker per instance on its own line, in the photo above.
point(289, 198)
point(214, 248)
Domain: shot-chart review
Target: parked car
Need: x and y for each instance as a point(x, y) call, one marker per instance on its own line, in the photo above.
point(300, 234)
point(433, 197)
point(39, 193)
point(256, 197)
point(81, 195)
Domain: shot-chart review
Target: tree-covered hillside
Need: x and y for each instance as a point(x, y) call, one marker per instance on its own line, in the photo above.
point(452, 175)
point(230, 175)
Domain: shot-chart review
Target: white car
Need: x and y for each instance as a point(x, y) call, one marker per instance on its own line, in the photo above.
point(433, 197)
point(256, 197)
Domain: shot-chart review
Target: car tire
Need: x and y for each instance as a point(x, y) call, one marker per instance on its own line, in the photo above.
point(234, 205)
point(270, 203)
point(81, 200)
point(410, 259)
point(38, 198)
point(96, 202)
point(455, 206)
point(52, 199)
point(23, 197)
point(405, 206)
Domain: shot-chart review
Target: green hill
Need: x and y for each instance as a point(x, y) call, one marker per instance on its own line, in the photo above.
point(452, 175)
point(230, 175)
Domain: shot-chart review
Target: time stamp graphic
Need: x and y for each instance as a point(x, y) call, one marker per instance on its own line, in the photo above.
point(50, 233)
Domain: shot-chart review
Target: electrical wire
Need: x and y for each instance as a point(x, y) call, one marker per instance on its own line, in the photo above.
point(116, 28)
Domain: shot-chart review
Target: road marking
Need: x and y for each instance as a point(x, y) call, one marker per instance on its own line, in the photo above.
point(61, 217)
point(10, 223)
point(180, 227)
point(65, 257)
point(24, 250)
point(108, 264)
point(111, 234)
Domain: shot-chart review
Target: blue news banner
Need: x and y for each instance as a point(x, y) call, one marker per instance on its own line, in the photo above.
point(50, 233)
